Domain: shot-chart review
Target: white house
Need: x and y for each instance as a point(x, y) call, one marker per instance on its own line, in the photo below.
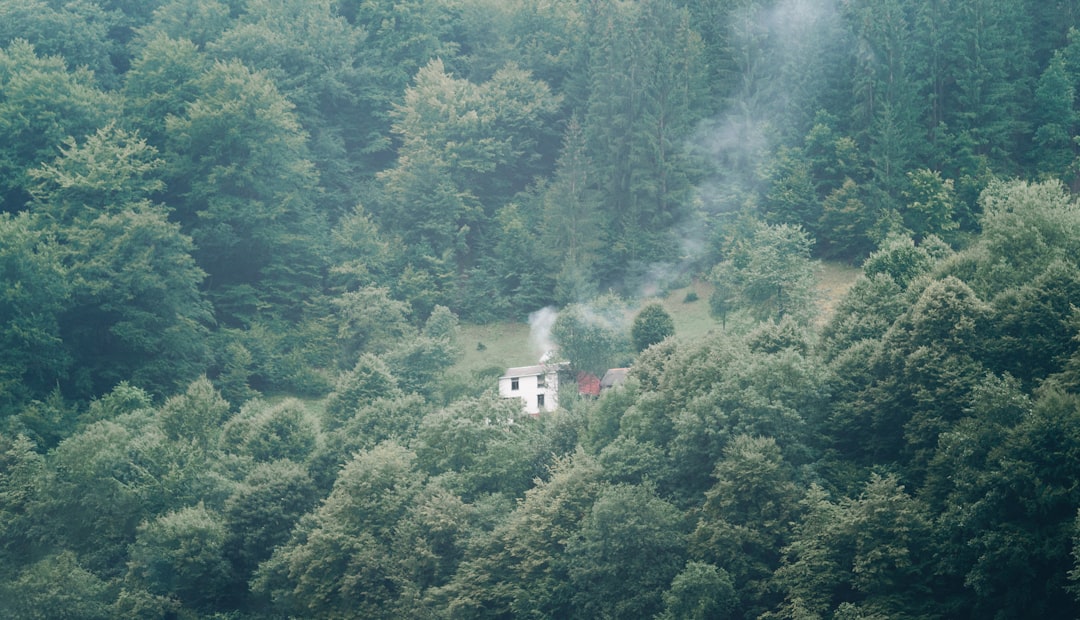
point(536, 386)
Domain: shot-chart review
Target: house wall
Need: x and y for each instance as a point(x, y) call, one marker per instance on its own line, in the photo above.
point(529, 389)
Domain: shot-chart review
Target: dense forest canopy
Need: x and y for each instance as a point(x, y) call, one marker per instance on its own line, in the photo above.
point(239, 238)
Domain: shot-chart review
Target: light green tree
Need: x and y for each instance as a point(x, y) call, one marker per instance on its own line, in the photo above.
point(771, 273)
point(593, 337)
point(41, 105)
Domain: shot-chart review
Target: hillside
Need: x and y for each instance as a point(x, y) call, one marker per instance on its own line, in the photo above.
point(262, 261)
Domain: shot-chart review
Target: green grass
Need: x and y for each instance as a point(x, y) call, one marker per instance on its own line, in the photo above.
point(833, 281)
point(506, 345)
point(499, 345)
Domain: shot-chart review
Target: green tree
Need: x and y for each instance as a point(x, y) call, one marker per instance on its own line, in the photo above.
point(482, 443)
point(628, 549)
point(872, 552)
point(523, 281)
point(102, 482)
point(791, 197)
point(41, 104)
point(646, 88)
point(57, 586)
point(700, 592)
point(466, 149)
point(311, 55)
point(572, 214)
point(747, 518)
point(246, 194)
point(771, 272)
point(886, 108)
point(1006, 508)
point(1025, 227)
point(398, 37)
point(181, 554)
point(135, 311)
point(196, 415)
point(18, 493)
point(162, 82)
point(847, 222)
point(340, 561)
point(522, 568)
point(286, 430)
point(368, 381)
point(1055, 150)
point(899, 259)
point(34, 295)
point(651, 325)
point(83, 34)
point(261, 512)
point(197, 21)
point(369, 321)
point(593, 337)
point(1033, 325)
point(360, 255)
point(110, 170)
point(930, 204)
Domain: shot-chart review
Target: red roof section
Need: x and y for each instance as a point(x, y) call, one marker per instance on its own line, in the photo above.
point(588, 384)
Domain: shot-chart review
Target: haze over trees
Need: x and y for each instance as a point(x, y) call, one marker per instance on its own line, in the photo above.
point(238, 239)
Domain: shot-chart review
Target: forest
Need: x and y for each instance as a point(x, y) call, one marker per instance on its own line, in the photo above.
point(240, 240)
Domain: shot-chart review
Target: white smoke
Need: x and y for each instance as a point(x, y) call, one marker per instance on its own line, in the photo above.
point(540, 323)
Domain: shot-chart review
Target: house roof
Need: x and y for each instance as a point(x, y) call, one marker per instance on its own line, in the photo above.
point(530, 371)
point(613, 377)
point(588, 384)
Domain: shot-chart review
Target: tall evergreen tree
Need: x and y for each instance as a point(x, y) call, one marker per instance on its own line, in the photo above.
point(646, 85)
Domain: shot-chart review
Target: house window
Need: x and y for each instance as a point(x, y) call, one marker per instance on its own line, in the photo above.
point(540, 401)
point(541, 381)
point(514, 384)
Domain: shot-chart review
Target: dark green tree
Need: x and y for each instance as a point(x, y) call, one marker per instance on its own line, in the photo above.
point(651, 325)
point(628, 549)
point(181, 554)
point(261, 512)
point(311, 55)
point(871, 552)
point(522, 568)
point(161, 83)
point(340, 560)
point(747, 518)
point(35, 293)
point(57, 586)
point(84, 34)
point(247, 195)
point(572, 216)
point(646, 88)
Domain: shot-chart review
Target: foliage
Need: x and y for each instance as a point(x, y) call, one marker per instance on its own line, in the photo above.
point(651, 325)
point(770, 274)
point(32, 355)
point(181, 554)
point(593, 337)
point(238, 239)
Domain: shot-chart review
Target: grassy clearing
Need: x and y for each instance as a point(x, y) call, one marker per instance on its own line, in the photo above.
point(691, 317)
point(505, 345)
point(833, 282)
point(499, 345)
